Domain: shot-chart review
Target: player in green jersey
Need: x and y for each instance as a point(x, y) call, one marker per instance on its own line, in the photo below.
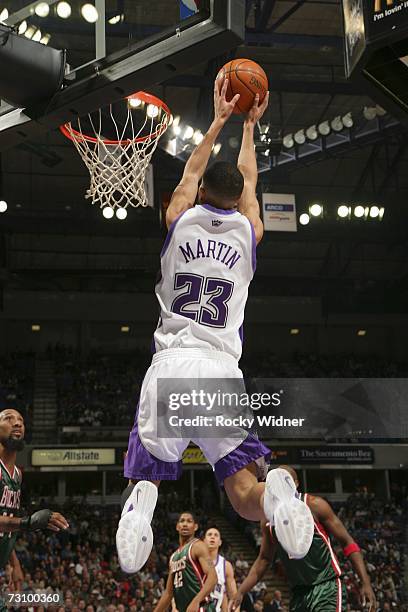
point(192, 575)
point(12, 440)
point(316, 580)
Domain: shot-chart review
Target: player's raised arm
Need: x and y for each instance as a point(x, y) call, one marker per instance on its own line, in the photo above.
point(248, 205)
point(324, 513)
point(166, 599)
point(184, 195)
point(258, 569)
point(200, 553)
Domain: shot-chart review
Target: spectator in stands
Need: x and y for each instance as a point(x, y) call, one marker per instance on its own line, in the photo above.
point(276, 604)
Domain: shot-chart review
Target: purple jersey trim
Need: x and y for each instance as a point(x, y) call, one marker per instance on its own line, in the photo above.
point(253, 246)
point(170, 233)
point(241, 333)
point(218, 211)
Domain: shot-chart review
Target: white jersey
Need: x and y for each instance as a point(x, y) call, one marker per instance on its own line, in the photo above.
point(207, 263)
point(218, 593)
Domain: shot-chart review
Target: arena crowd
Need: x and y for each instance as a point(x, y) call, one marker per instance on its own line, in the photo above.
point(82, 565)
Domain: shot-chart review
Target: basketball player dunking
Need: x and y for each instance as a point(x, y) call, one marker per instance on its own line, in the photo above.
point(12, 440)
point(192, 575)
point(316, 580)
point(207, 263)
point(226, 586)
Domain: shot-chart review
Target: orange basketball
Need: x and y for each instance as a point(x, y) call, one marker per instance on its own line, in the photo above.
point(246, 78)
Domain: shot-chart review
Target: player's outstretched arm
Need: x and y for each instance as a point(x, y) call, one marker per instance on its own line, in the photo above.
point(324, 513)
point(200, 553)
point(166, 599)
point(42, 519)
point(248, 204)
point(258, 569)
point(185, 194)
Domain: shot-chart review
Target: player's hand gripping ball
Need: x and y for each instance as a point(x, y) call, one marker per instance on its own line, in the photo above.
point(246, 78)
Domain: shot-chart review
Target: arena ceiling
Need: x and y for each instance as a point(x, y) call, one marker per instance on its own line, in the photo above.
point(300, 45)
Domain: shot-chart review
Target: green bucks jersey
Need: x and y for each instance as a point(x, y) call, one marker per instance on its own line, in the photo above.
point(320, 563)
point(10, 491)
point(188, 578)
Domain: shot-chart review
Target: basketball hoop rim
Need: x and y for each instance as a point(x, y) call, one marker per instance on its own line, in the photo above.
point(69, 132)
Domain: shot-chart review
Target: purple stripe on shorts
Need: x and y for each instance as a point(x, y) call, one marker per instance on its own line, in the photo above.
point(219, 211)
point(142, 465)
point(250, 450)
point(170, 233)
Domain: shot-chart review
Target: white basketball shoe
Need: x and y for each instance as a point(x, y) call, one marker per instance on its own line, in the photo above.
point(291, 517)
point(134, 536)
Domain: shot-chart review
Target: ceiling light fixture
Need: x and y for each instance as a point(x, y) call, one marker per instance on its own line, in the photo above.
point(198, 137)
point(116, 19)
point(42, 9)
point(343, 211)
point(359, 211)
point(312, 133)
point(45, 39)
point(108, 212)
point(300, 137)
point(324, 128)
point(89, 13)
point(121, 213)
point(336, 124)
point(370, 112)
point(22, 27)
point(63, 10)
point(30, 31)
point(134, 102)
point(316, 210)
point(37, 36)
point(152, 111)
point(188, 133)
point(288, 141)
point(347, 120)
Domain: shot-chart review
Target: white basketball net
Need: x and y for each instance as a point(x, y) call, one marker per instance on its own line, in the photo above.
point(118, 170)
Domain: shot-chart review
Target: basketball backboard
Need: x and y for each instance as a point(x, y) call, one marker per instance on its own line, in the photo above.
point(116, 47)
